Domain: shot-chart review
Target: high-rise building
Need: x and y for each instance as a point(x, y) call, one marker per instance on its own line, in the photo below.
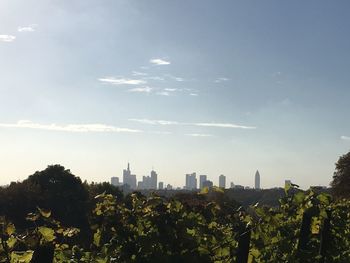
point(128, 178)
point(169, 187)
point(126, 175)
point(154, 176)
point(202, 179)
point(115, 181)
point(132, 181)
point(160, 185)
point(146, 182)
point(257, 180)
point(232, 185)
point(191, 181)
point(140, 185)
point(222, 181)
point(208, 183)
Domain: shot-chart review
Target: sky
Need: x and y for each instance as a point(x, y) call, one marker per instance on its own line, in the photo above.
point(212, 87)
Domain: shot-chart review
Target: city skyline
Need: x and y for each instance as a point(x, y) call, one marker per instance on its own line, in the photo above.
point(191, 182)
point(231, 87)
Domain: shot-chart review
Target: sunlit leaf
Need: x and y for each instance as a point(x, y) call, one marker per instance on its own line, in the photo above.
point(11, 242)
point(21, 257)
point(204, 191)
point(10, 229)
point(47, 233)
point(44, 212)
point(97, 237)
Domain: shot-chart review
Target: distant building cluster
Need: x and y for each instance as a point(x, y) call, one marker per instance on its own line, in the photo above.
point(191, 182)
point(150, 182)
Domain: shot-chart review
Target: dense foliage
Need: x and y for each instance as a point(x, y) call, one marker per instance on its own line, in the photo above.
point(155, 229)
point(341, 177)
point(54, 217)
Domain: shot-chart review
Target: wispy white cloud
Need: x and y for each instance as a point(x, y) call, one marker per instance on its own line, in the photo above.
point(161, 132)
point(170, 89)
point(26, 124)
point(155, 122)
point(163, 93)
point(137, 73)
point(193, 94)
point(7, 38)
point(219, 80)
point(179, 79)
point(202, 124)
point(223, 125)
point(345, 138)
point(30, 28)
point(122, 81)
point(141, 89)
point(155, 78)
point(199, 135)
point(159, 61)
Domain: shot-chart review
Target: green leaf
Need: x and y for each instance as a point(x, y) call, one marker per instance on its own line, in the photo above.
point(97, 237)
point(10, 229)
point(255, 252)
point(191, 232)
point(47, 233)
point(299, 197)
point(204, 191)
point(32, 217)
point(223, 252)
point(21, 257)
point(212, 225)
point(287, 187)
point(44, 212)
point(315, 225)
point(72, 231)
point(324, 198)
point(11, 242)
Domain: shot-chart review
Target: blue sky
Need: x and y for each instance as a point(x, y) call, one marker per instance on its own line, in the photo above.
point(215, 87)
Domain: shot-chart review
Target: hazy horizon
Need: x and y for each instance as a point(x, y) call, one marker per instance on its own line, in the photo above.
point(225, 87)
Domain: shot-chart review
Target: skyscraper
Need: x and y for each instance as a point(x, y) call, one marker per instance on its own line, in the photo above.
point(222, 181)
point(115, 181)
point(154, 176)
point(257, 180)
point(191, 181)
point(202, 179)
point(128, 178)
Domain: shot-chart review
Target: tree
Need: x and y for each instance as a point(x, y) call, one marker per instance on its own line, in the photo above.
point(341, 178)
point(63, 193)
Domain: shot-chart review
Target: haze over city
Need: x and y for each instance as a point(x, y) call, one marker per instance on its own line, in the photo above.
point(210, 87)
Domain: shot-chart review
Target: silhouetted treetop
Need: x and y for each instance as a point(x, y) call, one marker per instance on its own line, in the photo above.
point(62, 192)
point(341, 177)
